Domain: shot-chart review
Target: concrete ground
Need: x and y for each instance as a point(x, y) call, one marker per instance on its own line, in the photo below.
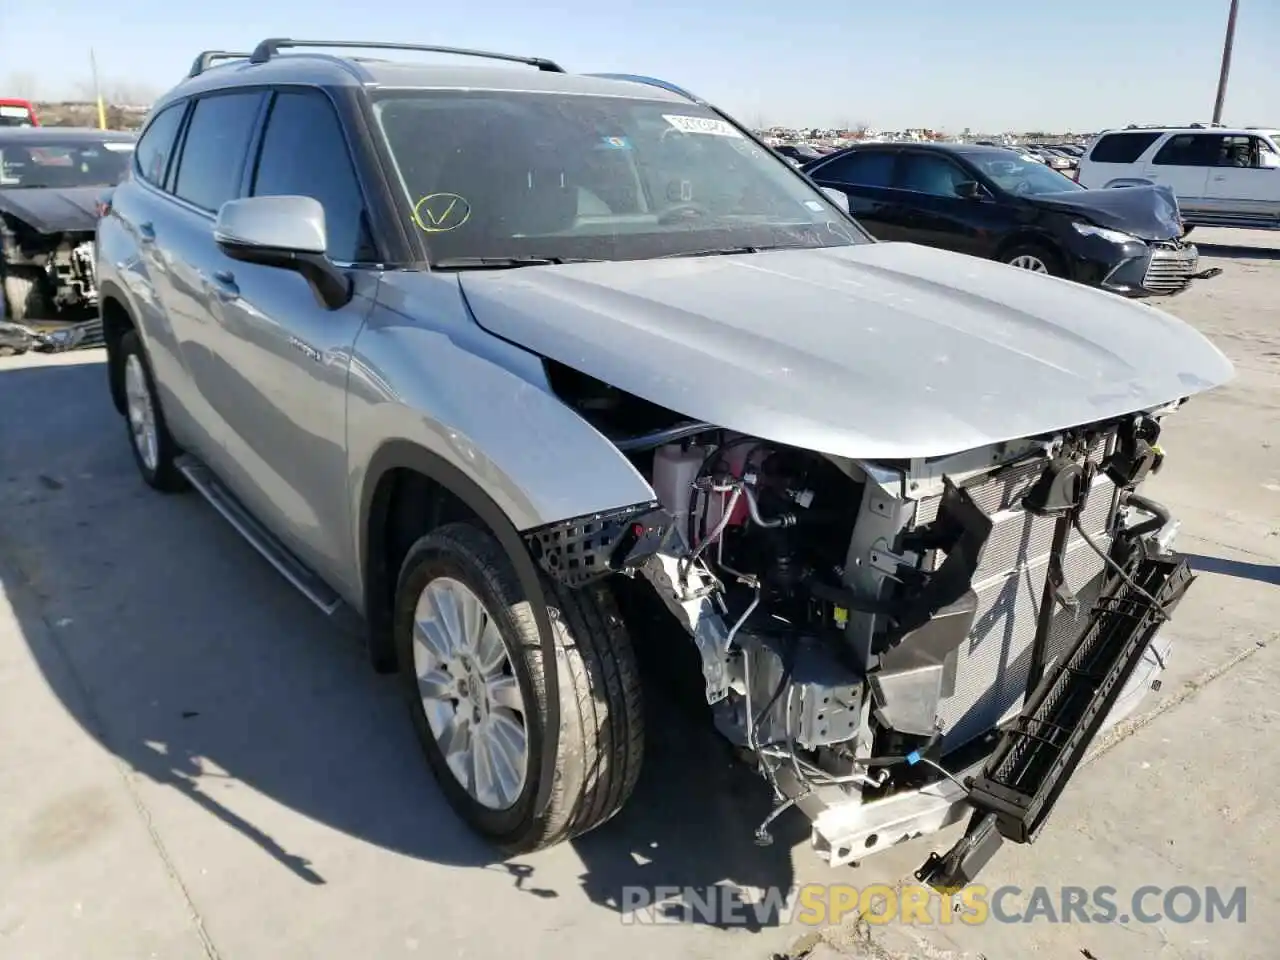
point(195, 764)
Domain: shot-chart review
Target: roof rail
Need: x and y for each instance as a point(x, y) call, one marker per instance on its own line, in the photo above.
point(270, 47)
point(206, 59)
point(649, 81)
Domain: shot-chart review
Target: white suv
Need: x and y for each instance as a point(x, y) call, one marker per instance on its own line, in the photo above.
point(1222, 177)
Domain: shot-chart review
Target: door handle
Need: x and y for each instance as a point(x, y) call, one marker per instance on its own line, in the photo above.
point(147, 231)
point(1219, 178)
point(224, 286)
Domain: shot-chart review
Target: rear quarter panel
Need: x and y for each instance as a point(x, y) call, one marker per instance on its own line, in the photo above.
point(128, 273)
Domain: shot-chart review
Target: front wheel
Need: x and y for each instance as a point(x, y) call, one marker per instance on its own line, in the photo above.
point(471, 666)
point(1035, 258)
point(24, 295)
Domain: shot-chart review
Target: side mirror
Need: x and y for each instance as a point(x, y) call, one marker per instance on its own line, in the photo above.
point(284, 232)
point(970, 190)
point(838, 197)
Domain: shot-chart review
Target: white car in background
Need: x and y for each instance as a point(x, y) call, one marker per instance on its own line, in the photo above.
point(1222, 177)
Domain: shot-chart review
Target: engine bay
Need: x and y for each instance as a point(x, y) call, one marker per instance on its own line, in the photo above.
point(868, 630)
point(55, 272)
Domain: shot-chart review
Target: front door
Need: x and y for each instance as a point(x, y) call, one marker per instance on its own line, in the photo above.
point(288, 354)
point(1245, 181)
point(930, 209)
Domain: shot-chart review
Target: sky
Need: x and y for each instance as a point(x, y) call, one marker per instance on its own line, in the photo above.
point(990, 65)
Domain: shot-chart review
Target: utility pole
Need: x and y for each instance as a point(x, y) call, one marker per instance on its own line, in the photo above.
point(1226, 61)
point(97, 91)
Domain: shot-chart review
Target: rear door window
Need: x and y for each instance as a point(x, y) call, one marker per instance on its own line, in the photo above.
point(864, 168)
point(1122, 147)
point(213, 153)
point(1189, 150)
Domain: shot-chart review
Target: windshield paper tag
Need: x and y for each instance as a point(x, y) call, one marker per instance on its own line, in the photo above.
point(708, 125)
point(119, 147)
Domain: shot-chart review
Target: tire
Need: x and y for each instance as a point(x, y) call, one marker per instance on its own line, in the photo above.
point(601, 715)
point(24, 296)
point(1034, 252)
point(8, 351)
point(157, 465)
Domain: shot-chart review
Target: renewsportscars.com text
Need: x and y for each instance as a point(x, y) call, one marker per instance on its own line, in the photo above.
point(821, 904)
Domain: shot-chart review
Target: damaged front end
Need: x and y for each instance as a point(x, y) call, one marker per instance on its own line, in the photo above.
point(896, 646)
point(48, 272)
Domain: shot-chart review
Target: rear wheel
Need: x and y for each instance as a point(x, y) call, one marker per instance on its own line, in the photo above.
point(471, 666)
point(154, 450)
point(24, 296)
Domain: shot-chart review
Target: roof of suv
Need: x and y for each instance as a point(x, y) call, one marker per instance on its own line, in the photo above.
point(326, 69)
point(1217, 131)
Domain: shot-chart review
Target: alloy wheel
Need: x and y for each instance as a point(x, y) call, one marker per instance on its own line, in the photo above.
point(142, 414)
point(470, 694)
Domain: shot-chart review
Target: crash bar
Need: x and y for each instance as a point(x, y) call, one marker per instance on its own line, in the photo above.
point(269, 48)
point(207, 58)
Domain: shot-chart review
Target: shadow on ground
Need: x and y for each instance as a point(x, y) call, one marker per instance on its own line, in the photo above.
point(1242, 570)
point(180, 650)
point(1236, 252)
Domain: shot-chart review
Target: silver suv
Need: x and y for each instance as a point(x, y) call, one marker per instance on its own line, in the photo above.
point(529, 369)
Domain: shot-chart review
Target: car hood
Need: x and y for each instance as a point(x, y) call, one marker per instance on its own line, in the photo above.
point(1148, 212)
point(876, 351)
point(53, 210)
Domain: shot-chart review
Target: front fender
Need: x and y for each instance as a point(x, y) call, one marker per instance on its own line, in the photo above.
point(483, 407)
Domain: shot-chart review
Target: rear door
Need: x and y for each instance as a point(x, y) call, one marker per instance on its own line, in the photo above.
point(283, 355)
point(864, 176)
point(1182, 164)
point(1245, 180)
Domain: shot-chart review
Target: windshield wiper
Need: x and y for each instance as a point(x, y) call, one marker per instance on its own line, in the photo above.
point(504, 263)
point(723, 251)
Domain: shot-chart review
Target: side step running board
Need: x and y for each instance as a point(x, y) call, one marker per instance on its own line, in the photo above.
point(1038, 753)
point(277, 554)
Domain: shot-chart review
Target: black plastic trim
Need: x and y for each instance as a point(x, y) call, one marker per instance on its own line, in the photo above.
point(587, 548)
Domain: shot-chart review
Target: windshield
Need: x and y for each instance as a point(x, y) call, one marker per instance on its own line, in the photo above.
point(49, 163)
point(1021, 176)
point(534, 175)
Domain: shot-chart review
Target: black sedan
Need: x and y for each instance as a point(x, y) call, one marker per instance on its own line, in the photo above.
point(798, 153)
point(992, 202)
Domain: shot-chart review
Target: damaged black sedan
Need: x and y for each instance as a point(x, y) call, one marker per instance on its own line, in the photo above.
point(992, 202)
point(53, 183)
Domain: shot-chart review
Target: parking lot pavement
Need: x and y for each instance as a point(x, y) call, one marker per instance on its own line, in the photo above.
point(195, 763)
